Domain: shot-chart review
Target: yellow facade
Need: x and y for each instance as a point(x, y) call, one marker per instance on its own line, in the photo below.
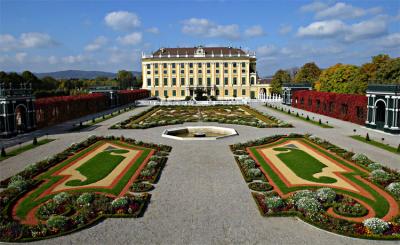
point(225, 76)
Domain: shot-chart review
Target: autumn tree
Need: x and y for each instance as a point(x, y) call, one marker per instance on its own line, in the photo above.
point(278, 79)
point(308, 73)
point(341, 78)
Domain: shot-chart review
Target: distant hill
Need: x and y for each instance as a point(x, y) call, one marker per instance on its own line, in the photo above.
point(80, 74)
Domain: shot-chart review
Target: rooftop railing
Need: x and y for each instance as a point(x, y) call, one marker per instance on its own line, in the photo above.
point(234, 55)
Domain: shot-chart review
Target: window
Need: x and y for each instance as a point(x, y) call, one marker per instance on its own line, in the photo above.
point(243, 71)
point(234, 71)
point(173, 93)
point(148, 66)
point(217, 71)
point(225, 81)
point(156, 81)
point(182, 71)
point(165, 65)
point(165, 81)
point(191, 65)
point(182, 92)
point(155, 66)
point(173, 81)
point(149, 82)
point(208, 71)
point(217, 65)
point(200, 71)
point(243, 64)
point(173, 65)
point(200, 81)
point(165, 72)
point(234, 64)
point(234, 93)
point(243, 80)
point(182, 65)
point(191, 81)
point(148, 72)
point(217, 81)
point(182, 81)
point(217, 92)
point(252, 80)
point(243, 92)
point(302, 101)
point(165, 93)
point(344, 109)
point(156, 93)
point(156, 72)
point(226, 71)
point(173, 71)
point(234, 80)
point(226, 92)
point(191, 71)
point(199, 65)
point(208, 81)
point(226, 65)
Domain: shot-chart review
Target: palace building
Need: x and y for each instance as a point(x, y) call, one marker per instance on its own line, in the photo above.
point(222, 72)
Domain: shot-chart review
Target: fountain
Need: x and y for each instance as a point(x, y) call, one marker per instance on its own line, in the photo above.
point(199, 133)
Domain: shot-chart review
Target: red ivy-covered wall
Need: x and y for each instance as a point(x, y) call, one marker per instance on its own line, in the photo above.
point(53, 110)
point(348, 107)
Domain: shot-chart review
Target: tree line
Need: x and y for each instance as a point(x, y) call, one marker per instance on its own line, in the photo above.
point(342, 78)
point(49, 86)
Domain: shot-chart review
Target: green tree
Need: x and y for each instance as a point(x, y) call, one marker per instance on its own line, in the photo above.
point(30, 78)
point(308, 73)
point(125, 79)
point(278, 79)
point(342, 78)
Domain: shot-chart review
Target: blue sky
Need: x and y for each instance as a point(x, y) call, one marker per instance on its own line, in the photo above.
point(44, 36)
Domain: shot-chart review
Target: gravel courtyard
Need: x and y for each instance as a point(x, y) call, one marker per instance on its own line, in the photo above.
point(201, 197)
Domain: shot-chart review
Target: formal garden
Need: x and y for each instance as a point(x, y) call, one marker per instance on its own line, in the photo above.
point(170, 115)
point(92, 180)
point(322, 184)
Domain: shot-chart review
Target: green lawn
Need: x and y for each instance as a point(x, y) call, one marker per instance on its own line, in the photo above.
point(379, 203)
point(305, 171)
point(376, 143)
point(98, 167)
point(33, 199)
point(322, 125)
point(24, 148)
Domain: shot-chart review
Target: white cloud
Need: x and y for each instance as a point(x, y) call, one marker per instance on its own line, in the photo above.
point(71, 59)
point(328, 28)
point(254, 31)
point(285, 29)
point(26, 40)
point(122, 20)
point(313, 7)
point(344, 11)
point(20, 57)
point(97, 44)
point(153, 30)
point(390, 41)
point(208, 29)
point(131, 39)
point(267, 50)
point(337, 29)
point(52, 60)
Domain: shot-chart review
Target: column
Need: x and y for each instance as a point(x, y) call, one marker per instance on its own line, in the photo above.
point(373, 109)
point(368, 106)
point(386, 111)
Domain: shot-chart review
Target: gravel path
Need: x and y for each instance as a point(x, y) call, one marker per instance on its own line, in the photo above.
point(201, 197)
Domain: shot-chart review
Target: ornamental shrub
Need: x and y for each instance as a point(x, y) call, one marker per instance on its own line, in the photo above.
point(243, 157)
point(30, 169)
point(34, 142)
point(120, 202)
point(249, 163)
point(57, 222)
point(254, 172)
point(359, 158)
point(3, 152)
point(367, 137)
point(274, 202)
point(326, 195)
point(376, 225)
point(152, 164)
point(146, 172)
point(394, 188)
point(309, 205)
point(380, 175)
point(18, 182)
point(61, 197)
point(303, 193)
point(85, 199)
point(374, 166)
point(47, 209)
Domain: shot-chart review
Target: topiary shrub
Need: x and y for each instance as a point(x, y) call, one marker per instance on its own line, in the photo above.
point(85, 199)
point(394, 188)
point(359, 158)
point(120, 202)
point(61, 198)
point(376, 225)
point(326, 195)
point(274, 202)
point(253, 172)
point(374, 166)
point(308, 205)
point(18, 182)
point(249, 163)
point(367, 137)
point(57, 222)
point(152, 164)
point(303, 193)
point(3, 152)
point(146, 172)
point(380, 175)
point(34, 142)
point(243, 157)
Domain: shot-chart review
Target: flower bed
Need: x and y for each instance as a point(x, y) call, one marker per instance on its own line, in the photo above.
point(170, 115)
point(373, 214)
point(31, 209)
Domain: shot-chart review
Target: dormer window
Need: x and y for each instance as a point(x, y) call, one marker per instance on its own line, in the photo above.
point(199, 52)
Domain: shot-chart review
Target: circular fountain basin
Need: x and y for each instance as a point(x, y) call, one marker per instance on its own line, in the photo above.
point(199, 133)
